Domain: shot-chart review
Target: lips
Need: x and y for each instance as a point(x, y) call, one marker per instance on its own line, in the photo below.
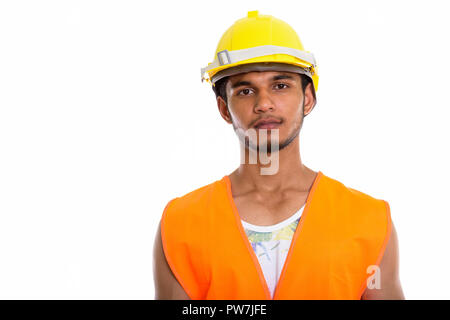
point(268, 123)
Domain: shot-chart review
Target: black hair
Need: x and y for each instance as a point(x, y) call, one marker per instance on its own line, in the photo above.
point(220, 86)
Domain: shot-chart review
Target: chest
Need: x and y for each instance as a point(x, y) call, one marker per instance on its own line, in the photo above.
point(269, 210)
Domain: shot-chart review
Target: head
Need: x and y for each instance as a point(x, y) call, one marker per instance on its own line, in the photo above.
point(245, 98)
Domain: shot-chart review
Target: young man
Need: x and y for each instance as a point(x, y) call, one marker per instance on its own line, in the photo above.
point(284, 232)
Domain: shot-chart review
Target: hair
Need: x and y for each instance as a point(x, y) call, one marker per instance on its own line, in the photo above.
point(220, 86)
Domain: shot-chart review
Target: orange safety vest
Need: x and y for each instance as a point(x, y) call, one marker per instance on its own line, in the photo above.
point(341, 233)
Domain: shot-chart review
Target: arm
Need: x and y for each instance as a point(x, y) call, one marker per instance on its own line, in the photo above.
point(391, 288)
point(166, 285)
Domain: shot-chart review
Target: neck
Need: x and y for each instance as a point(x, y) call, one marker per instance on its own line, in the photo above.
point(285, 167)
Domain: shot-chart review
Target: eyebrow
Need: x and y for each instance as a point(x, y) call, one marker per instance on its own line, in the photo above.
point(274, 78)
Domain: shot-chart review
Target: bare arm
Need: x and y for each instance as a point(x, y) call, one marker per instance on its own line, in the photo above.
point(166, 285)
point(391, 288)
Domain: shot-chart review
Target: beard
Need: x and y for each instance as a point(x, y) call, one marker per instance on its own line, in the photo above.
point(256, 144)
point(266, 145)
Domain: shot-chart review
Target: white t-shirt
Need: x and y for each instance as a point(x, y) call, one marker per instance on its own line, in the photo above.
point(271, 245)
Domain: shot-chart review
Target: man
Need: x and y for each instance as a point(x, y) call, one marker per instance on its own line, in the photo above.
point(283, 232)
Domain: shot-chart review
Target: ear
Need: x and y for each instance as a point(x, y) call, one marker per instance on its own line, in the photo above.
point(223, 109)
point(310, 99)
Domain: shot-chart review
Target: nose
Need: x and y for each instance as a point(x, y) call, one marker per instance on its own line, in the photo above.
point(263, 102)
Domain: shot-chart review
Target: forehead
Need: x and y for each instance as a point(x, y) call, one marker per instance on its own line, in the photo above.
point(261, 76)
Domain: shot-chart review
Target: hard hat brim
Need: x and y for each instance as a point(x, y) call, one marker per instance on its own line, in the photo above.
point(259, 66)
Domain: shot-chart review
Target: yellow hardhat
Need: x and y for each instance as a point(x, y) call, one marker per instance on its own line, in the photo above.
point(260, 43)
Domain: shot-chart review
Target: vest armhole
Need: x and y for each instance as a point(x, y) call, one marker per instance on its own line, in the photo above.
point(167, 255)
point(383, 246)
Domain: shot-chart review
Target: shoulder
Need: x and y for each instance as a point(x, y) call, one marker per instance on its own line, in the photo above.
point(194, 204)
point(343, 192)
point(367, 213)
point(196, 197)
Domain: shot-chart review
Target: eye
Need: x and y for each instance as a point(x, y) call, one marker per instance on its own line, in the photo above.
point(281, 86)
point(244, 92)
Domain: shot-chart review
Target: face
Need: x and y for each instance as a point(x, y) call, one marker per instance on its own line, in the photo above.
point(266, 95)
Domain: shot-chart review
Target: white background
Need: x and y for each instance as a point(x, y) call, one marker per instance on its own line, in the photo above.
point(103, 120)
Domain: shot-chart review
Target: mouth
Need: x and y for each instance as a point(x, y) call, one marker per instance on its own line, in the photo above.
point(268, 125)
